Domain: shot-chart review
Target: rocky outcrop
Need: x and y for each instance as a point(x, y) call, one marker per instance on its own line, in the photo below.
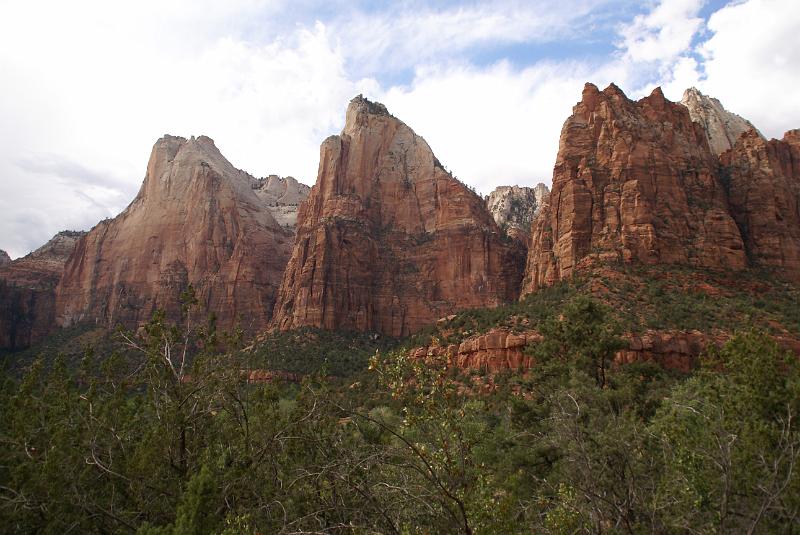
point(633, 181)
point(27, 291)
point(500, 349)
point(763, 181)
point(4, 258)
point(722, 128)
point(515, 207)
point(196, 221)
point(388, 240)
point(673, 350)
point(283, 197)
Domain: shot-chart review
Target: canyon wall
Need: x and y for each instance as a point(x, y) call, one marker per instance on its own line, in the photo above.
point(196, 220)
point(27, 291)
point(389, 241)
point(633, 181)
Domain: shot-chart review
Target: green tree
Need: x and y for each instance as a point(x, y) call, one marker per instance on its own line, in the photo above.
point(584, 336)
point(731, 441)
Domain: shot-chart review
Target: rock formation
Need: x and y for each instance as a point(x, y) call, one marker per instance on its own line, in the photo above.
point(388, 240)
point(515, 207)
point(4, 258)
point(763, 180)
point(722, 127)
point(501, 349)
point(633, 181)
point(27, 291)
point(196, 220)
point(283, 197)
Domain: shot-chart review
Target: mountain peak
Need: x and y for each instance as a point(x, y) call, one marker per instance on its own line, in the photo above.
point(722, 127)
point(360, 103)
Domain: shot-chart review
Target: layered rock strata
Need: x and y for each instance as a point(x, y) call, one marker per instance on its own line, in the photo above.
point(633, 181)
point(196, 221)
point(27, 291)
point(722, 128)
point(388, 240)
point(282, 197)
point(500, 349)
point(763, 181)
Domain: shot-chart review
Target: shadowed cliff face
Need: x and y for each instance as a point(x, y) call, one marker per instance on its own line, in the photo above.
point(27, 291)
point(196, 220)
point(763, 181)
point(633, 181)
point(389, 241)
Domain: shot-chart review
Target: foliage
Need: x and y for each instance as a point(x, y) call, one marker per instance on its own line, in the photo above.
point(165, 434)
point(308, 351)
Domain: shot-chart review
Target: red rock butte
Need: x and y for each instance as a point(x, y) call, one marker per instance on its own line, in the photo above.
point(637, 182)
point(388, 241)
point(196, 220)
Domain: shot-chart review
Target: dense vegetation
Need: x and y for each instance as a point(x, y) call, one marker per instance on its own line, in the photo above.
point(647, 297)
point(165, 434)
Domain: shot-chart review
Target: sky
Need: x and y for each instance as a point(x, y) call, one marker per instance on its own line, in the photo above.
point(88, 86)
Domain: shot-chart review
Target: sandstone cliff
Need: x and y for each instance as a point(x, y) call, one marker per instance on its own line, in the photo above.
point(633, 181)
point(763, 180)
point(389, 241)
point(27, 291)
point(722, 127)
point(283, 197)
point(502, 349)
point(196, 220)
point(515, 207)
point(4, 258)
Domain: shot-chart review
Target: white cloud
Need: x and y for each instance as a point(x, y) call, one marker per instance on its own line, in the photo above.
point(491, 126)
point(664, 33)
point(87, 89)
point(80, 96)
point(401, 38)
point(752, 62)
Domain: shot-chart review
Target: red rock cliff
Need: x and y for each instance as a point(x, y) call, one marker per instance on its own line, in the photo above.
point(763, 179)
point(195, 220)
point(389, 241)
point(27, 291)
point(632, 181)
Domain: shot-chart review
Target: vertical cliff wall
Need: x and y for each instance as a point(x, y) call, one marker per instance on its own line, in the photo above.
point(633, 181)
point(196, 220)
point(763, 181)
point(27, 291)
point(389, 241)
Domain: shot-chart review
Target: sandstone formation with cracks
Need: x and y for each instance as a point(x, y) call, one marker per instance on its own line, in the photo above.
point(196, 220)
point(633, 181)
point(389, 241)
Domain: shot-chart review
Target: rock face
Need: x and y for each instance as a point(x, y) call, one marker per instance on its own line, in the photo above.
point(495, 350)
point(4, 258)
point(27, 291)
point(196, 220)
point(501, 349)
point(388, 241)
point(515, 207)
point(722, 127)
point(633, 181)
point(283, 197)
point(763, 179)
